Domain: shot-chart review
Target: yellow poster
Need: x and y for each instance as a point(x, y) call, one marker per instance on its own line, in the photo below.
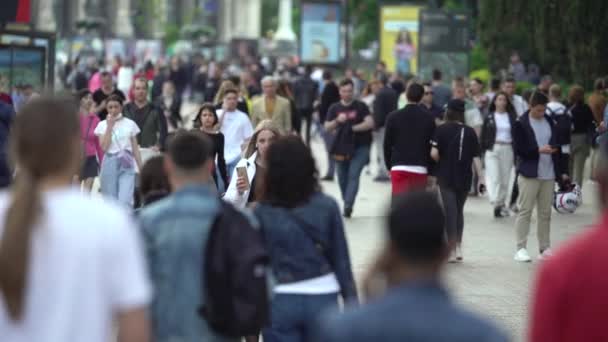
point(399, 38)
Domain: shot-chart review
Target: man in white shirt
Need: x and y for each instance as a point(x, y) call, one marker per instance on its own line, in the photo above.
point(236, 127)
point(518, 102)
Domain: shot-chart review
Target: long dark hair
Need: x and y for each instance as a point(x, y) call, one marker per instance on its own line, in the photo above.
point(291, 177)
point(154, 181)
point(208, 106)
point(42, 143)
point(510, 108)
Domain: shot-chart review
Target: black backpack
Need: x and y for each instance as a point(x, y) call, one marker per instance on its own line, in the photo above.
point(235, 273)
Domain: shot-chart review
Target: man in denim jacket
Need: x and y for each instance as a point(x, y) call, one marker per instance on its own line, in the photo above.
point(175, 230)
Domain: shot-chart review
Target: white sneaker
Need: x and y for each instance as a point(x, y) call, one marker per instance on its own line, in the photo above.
point(522, 256)
point(546, 254)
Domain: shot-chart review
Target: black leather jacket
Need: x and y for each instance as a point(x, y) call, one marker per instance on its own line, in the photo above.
point(488, 131)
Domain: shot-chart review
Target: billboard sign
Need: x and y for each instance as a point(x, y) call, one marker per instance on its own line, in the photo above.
point(444, 43)
point(320, 36)
point(399, 38)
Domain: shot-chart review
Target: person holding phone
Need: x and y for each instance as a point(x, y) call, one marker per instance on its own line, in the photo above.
point(245, 187)
point(122, 159)
point(455, 147)
point(540, 164)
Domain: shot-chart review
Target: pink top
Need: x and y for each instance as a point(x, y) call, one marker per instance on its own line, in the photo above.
point(95, 82)
point(91, 141)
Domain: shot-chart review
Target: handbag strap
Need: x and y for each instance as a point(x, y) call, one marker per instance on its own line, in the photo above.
point(307, 229)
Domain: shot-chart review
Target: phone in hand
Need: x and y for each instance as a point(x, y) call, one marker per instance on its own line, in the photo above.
point(241, 172)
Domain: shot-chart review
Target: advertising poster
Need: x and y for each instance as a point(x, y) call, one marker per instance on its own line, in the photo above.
point(444, 44)
point(399, 38)
point(320, 32)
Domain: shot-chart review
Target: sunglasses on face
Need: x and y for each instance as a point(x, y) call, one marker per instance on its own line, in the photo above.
point(428, 93)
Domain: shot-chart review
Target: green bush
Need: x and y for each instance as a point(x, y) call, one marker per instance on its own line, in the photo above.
point(482, 74)
point(521, 86)
point(479, 58)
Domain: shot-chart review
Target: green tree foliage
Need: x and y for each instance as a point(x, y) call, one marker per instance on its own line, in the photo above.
point(566, 38)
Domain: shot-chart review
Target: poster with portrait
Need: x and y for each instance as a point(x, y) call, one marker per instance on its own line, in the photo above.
point(320, 37)
point(399, 38)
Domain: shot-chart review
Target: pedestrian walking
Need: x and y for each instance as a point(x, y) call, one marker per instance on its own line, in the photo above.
point(540, 164)
point(149, 118)
point(408, 300)
point(71, 266)
point(456, 149)
point(206, 121)
point(118, 136)
point(305, 92)
point(583, 131)
point(170, 106)
point(329, 96)
point(567, 308)
point(176, 231)
point(427, 103)
point(305, 240)
point(236, 128)
point(352, 122)
point(244, 188)
point(384, 104)
point(482, 102)
point(442, 93)
point(92, 151)
point(241, 103)
point(100, 95)
point(272, 106)
point(497, 148)
point(407, 143)
point(520, 105)
point(472, 115)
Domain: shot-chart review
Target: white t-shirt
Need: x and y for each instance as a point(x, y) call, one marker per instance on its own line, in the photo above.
point(556, 107)
point(86, 265)
point(236, 128)
point(520, 105)
point(503, 128)
point(124, 129)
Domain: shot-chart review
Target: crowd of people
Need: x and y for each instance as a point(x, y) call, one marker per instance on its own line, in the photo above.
point(218, 229)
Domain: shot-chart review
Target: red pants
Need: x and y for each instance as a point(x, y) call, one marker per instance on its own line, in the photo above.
point(404, 181)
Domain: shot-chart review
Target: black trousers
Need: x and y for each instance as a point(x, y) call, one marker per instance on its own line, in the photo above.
point(306, 114)
point(453, 207)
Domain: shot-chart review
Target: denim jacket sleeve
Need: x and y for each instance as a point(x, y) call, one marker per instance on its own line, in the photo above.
point(340, 258)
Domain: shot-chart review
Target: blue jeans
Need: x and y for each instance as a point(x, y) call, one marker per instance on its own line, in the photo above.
point(349, 173)
point(230, 166)
point(293, 316)
point(117, 182)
